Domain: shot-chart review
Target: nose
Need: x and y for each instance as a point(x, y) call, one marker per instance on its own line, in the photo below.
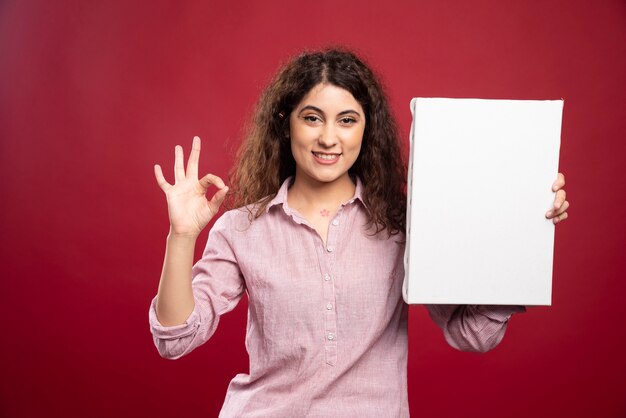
point(328, 136)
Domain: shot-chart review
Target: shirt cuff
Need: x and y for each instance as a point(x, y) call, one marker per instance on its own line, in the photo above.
point(175, 331)
point(500, 313)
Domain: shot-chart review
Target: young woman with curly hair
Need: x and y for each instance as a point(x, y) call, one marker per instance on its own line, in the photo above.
point(316, 240)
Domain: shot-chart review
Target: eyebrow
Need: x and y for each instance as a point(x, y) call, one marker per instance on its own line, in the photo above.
point(317, 109)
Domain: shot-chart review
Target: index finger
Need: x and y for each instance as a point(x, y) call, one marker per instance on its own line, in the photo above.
point(210, 179)
point(194, 157)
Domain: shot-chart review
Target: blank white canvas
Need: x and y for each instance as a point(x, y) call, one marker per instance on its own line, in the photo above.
point(480, 178)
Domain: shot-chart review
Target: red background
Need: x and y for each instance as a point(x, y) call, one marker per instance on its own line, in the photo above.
point(92, 95)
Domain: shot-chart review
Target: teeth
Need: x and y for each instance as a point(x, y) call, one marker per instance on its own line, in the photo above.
point(327, 157)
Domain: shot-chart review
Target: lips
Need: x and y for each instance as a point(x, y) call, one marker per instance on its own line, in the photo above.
point(328, 158)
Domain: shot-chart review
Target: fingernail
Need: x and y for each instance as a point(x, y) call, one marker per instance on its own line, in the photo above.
point(548, 214)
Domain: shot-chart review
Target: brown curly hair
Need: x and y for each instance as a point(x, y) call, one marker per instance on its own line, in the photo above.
point(264, 159)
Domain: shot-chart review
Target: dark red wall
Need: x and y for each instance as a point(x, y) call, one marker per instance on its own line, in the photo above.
point(92, 94)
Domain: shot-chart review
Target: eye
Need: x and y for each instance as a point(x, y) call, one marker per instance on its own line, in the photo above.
point(311, 118)
point(347, 121)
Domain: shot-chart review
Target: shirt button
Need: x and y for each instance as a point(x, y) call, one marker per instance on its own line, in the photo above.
point(329, 306)
point(326, 277)
point(335, 222)
point(330, 336)
point(330, 249)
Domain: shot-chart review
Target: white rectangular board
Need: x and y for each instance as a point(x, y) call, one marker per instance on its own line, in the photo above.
point(479, 185)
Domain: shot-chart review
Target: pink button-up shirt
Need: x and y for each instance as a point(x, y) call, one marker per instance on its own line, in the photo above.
point(327, 325)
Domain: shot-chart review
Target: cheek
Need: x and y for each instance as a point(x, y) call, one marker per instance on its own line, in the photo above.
point(357, 141)
point(297, 134)
point(298, 150)
point(294, 149)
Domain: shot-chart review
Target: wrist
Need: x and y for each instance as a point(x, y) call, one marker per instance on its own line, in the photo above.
point(178, 236)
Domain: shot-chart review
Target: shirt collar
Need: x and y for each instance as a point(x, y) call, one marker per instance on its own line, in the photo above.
point(281, 196)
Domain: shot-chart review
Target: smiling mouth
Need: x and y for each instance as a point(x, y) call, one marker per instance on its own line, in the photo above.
point(326, 157)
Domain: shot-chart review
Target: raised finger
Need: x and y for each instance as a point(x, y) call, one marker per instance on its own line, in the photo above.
point(559, 182)
point(194, 157)
point(158, 173)
point(210, 179)
point(179, 164)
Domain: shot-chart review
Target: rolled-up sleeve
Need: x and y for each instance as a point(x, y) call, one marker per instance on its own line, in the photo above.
point(217, 286)
point(477, 328)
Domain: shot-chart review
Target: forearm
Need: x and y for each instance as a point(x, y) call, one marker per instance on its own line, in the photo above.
point(175, 300)
point(473, 327)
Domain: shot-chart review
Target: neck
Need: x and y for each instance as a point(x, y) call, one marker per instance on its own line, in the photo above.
point(309, 193)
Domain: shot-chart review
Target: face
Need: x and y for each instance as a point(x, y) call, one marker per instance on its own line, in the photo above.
point(326, 130)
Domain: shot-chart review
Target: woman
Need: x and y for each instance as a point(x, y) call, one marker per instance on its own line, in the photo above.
point(317, 243)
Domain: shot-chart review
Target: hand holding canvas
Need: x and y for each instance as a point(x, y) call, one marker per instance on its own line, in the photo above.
point(558, 212)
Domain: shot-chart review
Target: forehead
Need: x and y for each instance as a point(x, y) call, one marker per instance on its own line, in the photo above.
point(330, 97)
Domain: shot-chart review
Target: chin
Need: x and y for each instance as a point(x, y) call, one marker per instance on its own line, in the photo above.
point(324, 176)
point(328, 178)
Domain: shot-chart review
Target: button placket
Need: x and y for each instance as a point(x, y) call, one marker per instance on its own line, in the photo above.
point(329, 302)
point(330, 317)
